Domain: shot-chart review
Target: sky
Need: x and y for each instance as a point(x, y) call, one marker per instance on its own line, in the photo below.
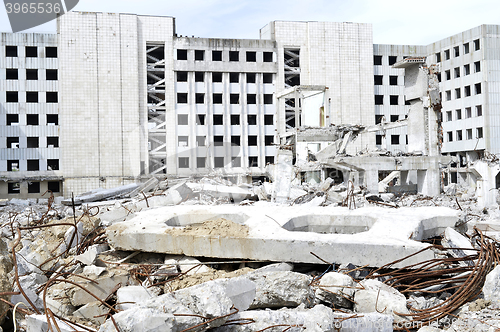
point(394, 22)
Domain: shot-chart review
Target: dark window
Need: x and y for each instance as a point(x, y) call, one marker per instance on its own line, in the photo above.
point(467, 91)
point(394, 139)
point(234, 77)
point(31, 97)
point(199, 76)
point(477, 66)
point(466, 48)
point(199, 55)
point(53, 141)
point(234, 98)
point(33, 165)
point(53, 119)
point(377, 60)
point(218, 162)
point(379, 100)
point(218, 140)
point(218, 119)
point(54, 186)
point(268, 56)
point(251, 56)
point(32, 74)
point(447, 55)
point(267, 78)
point(31, 52)
point(438, 57)
point(217, 98)
point(252, 140)
point(14, 187)
point(393, 80)
point(378, 79)
point(236, 162)
point(12, 119)
point(456, 51)
point(32, 119)
point(439, 77)
point(458, 93)
point(268, 140)
point(394, 100)
point(182, 76)
point(251, 78)
point(378, 118)
point(252, 119)
point(392, 60)
point(457, 72)
point(216, 55)
point(477, 88)
point(200, 140)
point(183, 141)
point(52, 164)
point(459, 135)
point(200, 119)
point(182, 98)
point(479, 132)
point(378, 139)
point(11, 51)
point(466, 70)
point(268, 99)
point(448, 75)
point(51, 97)
point(12, 165)
point(479, 110)
point(11, 74)
point(200, 98)
point(394, 118)
point(12, 96)
point(251, 98)
point(253, 161)
point(268, 120)
point(183, 162)
point(234, 56)
point(182, 119)
point(51, 52)
point(217, 77)
point(235, 119)
point(182, 54)
point(12, 142)
point(269, 160)
point(477, 46)
point(235, 140)
point(51, 75)
point(201, 162)
point(459, 114)
point(33, 142)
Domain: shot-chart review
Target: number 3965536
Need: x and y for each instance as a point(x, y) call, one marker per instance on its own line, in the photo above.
point(33, 7)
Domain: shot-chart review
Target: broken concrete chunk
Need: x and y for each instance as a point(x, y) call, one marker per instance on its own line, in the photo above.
point(38, 323)
point(75, 239)
point(281, 289)
point(491, 288)
point(274, 268)
point(241, 291)
point(453, 239)
point(101, 194)
point(128, 297)
point(429, 329)
point(93, 271)
point(91, 310)
point(90, 255)
point(336, 288)
point(5, 268)
point(378, 297)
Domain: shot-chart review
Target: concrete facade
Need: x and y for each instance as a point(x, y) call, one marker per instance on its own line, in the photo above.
point(137, 99)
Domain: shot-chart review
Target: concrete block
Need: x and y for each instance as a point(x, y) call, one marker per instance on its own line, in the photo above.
point(377, 296)
point(128, 297)
point(91, 310)
point(334, 287)
point(38, 323)
point(463, 247)
point(491, 288)
point(90, 255)
point(101, 194)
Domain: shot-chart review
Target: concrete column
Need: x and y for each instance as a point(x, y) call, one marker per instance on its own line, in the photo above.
point(403, 179)
point(428, 182)
point(371, 180)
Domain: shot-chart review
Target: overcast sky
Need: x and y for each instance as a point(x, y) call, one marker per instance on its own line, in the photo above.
point(394, 22)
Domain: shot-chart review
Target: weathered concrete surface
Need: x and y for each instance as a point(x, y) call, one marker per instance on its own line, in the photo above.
point(491, 288)
point(336, 288)
point(38, 323)
point(5, 268)
point(286, 233)
point(99, 195)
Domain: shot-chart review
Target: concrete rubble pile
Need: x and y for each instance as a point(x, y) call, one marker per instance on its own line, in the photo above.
point(214, 255)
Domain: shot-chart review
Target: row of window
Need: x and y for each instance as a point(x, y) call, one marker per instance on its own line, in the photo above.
point(457, 73)
point(456, 50)
point(394, 139)
point(218, 119)
point(393, 118)
point(467, 91)
point(33, 165)
point(250, 56)
point(199, 76)
point(33, 187)
point(183, 141)
point(377, 60)
point(234, 98)
point(32, 142)
point(31, 74)
point(31, 96)
point(379, 80)
point(220, 162)
point(393, 100)
point(30, 51)
point(468, 132)
point(31, 119)
point(468, 113)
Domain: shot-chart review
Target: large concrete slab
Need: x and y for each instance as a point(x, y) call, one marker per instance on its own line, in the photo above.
point(367, 236)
